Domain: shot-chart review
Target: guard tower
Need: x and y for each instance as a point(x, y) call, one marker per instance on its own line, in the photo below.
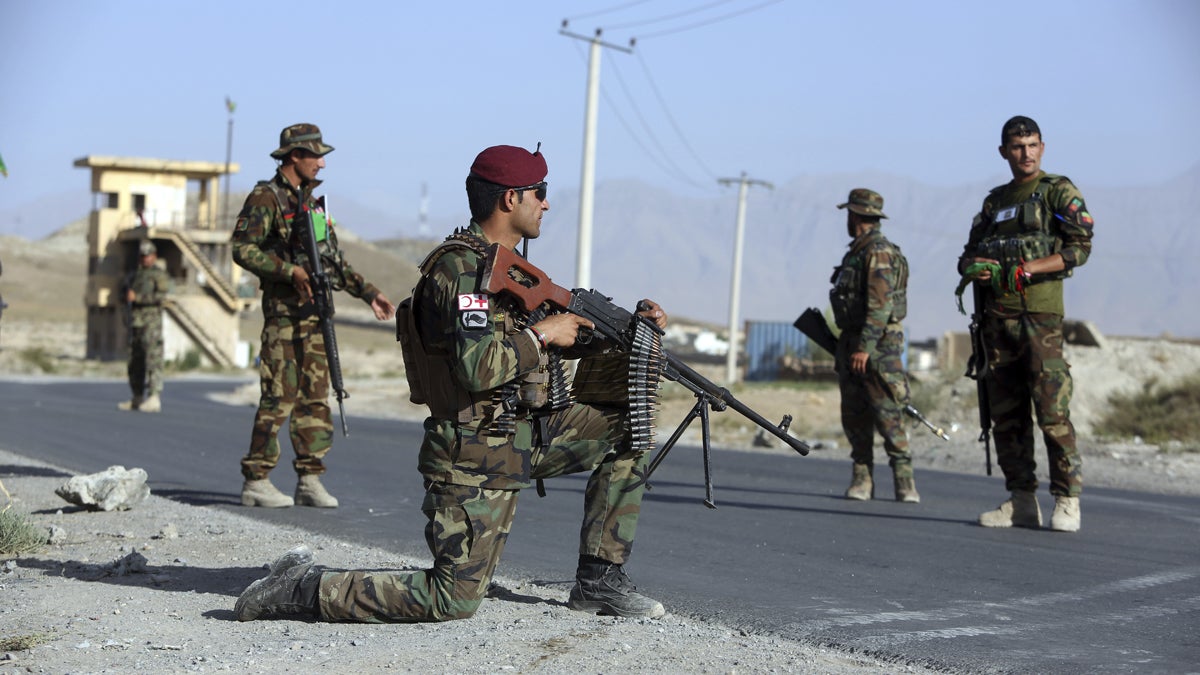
point(175, 205)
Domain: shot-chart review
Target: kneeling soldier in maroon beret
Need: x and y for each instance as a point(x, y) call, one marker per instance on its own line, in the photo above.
point(500, 418)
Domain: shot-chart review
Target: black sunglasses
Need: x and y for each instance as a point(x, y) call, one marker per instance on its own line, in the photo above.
point(540, 187)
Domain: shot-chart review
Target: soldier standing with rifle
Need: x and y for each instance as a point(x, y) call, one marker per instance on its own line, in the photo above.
point(869, 300)
point(1028, 237)
point(491, 374)
point(145, 290)
point(279, 227)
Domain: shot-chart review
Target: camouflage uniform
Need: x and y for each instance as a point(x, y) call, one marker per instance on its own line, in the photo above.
point(1024, 331)
point(293, 370)
point(869, 302)
point(474, 472)
point(150, 286)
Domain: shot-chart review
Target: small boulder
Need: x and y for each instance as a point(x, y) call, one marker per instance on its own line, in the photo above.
point(114, 489)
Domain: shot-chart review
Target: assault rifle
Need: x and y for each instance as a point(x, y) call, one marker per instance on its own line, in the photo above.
point(322, 292)
point(505, 271)
point(977, 369)
point(812, 323)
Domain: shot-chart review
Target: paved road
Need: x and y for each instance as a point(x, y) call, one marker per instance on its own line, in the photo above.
point(782, 553)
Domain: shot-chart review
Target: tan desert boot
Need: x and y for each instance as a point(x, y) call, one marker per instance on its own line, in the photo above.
point(1021, 510)
point(151, 405)
point(862, 487)
point(310, 492)
point(1066, 514)
point(906, 490)
point(262, 492)
point(132, 404)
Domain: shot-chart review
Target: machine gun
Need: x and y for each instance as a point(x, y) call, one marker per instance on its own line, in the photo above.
point(505, 271)
point(322, 292)
point(977, 369)
point(812, 323)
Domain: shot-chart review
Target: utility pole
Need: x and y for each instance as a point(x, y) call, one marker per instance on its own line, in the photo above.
point(423, 212)
point(230, 106)
point(587, 179)
point(735, 291)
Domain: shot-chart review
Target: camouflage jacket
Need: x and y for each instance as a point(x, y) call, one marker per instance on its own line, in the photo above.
point(483, 342)
point(870, 290)
point(150, 286)
point(266, 244)
point(1026, 222)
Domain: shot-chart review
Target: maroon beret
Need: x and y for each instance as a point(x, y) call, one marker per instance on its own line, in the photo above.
point(510, 166)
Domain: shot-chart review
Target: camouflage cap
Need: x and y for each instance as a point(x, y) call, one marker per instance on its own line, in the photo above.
point(147, 247)
point(301, 136)
point(864, 202)
point(510, 166)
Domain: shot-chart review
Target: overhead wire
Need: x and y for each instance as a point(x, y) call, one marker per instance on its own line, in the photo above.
point(680, 172)
point(616, 110)
point(598, 12)
point(709, 22)
point(671, 118)
point(662, 158)
point(668, 17)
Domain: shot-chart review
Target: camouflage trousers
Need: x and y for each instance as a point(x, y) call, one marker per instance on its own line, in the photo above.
point(293, 383)
point(1028, 371)
point(145, 368)
point(875, 402)
point(468, 526)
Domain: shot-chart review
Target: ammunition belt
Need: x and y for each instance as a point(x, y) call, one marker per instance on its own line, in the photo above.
point(645, 371)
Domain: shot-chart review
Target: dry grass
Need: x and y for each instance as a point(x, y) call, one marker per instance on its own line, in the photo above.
point(18, 535)
point(1164, 415)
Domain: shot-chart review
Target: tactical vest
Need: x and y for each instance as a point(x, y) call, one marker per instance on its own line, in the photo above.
point(430, 371)
point(290, 246)
point(848, 297)
point(1023, 231)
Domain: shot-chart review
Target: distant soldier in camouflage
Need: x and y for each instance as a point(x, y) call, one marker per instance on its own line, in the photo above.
point(145, 290)
point(1032, 231)
point(869, 301)
point(293, 367)
point(489, 372)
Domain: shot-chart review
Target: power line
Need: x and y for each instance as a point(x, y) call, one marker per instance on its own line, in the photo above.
point(710, 21)
point(670, 118)
point(598, 12)
point(616, 110)
point(668, 17)
point(682, 174)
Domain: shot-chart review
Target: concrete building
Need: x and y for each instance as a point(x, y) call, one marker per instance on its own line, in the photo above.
point(174, 204)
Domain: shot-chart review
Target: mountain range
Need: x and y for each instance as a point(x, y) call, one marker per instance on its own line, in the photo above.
point(649, 242)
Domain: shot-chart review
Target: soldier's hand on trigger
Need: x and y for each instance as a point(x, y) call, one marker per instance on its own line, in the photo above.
point(561, 330)
point(858, 363)
point(654, 312)
point(302, 284)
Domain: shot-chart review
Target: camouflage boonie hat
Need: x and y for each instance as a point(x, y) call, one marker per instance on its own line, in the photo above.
point(301, 136)
point(864, 202)
point(147, 247)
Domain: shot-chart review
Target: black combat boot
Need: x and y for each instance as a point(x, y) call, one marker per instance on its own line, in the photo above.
point(290, 588)
point(604, 587)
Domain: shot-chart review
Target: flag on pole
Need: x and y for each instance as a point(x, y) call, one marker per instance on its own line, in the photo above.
point(3, 169)
point(230, 104)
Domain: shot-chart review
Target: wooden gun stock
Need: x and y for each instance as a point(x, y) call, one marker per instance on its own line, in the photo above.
point(507, 271)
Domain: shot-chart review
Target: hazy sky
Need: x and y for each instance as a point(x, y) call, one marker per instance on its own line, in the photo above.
point(409, 92)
